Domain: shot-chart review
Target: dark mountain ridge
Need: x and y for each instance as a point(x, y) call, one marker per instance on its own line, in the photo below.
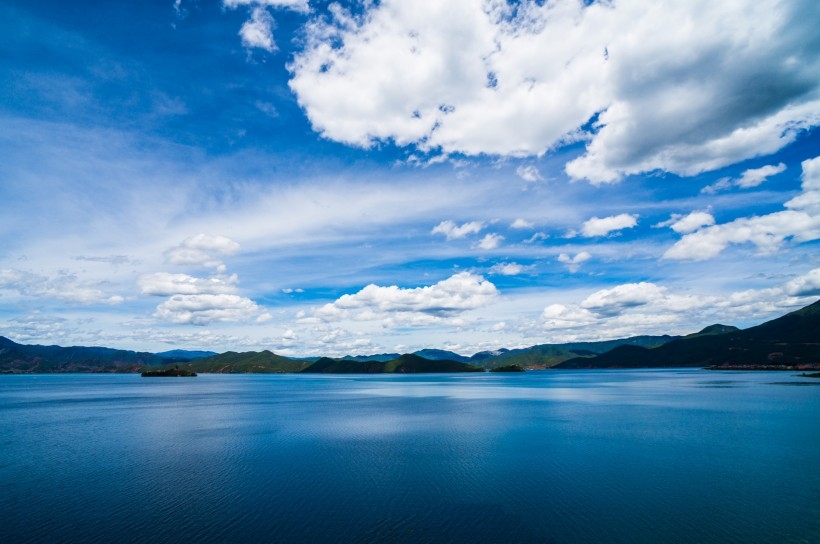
point(790, 341)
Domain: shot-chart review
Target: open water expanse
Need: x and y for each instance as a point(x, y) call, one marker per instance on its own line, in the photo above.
point(552, 456)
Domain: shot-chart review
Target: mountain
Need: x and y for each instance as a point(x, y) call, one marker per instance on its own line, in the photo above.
point(185, 354)
point(550, 355)
point(326, 365)
point(381, 357)
point(257, 362)
point(404, 364)
point(16, 357)
point(441, 355)
point(713, 329)
point(790, 341)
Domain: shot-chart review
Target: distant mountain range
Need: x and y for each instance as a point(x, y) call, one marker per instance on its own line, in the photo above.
point(791, 341)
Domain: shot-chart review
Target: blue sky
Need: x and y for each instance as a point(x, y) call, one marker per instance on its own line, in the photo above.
point(379, 176)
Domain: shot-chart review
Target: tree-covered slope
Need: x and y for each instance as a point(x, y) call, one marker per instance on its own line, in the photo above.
point(788, 341)
point(16, 357)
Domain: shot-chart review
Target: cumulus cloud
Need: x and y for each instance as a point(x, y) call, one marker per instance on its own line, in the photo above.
point(560, 316)
point(616, 300)
point(202, 250)
point(574, 263)
point(604, 226)
point(258, 30)
point(522, 224)
point(807, 285)
point(528, 173)
point(800, 222)
point(648, 308)
point(509, 269)
point(490, 241)
point(419, 305)
point(755, 176)
point(64, 285)
point(684, 224)
point(165, 284)
point(453, 232)
point(197, 300)
point(203, 309)
point(643, 90)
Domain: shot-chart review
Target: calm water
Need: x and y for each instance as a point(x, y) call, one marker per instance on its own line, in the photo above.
point(564, 457)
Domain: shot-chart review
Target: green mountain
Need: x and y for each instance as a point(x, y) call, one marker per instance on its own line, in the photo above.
point(550, 355)
point(404, 364)
point(791, 341)
point(186, 354)
point(381, 357)
point(16, 357)
point(257, 362)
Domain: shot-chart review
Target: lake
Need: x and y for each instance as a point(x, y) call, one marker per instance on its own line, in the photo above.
point(617, 456)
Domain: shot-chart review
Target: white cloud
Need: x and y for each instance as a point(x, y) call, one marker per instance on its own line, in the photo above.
point(648, 308)
point(509, 269)
point(490, 241)
point(805, 285)
point(64, 285)
point(453, 232)
point(722, 184)
point(574, 263)
point(165, 284)
point(684, 224)
point(420, 305)
point(476, 77)
point(258, 30)
point(800, 223)
point(204, 309)
point(616, 300)
point(202, 250)
point(200, 301)
point(296, 5)
point(522, 224)
point(606, 225)
point(748, 179)
point(755, 176)
point(528, 173)
point(559, 316)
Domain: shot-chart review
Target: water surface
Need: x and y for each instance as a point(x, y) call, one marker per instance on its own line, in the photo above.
point(553, 456)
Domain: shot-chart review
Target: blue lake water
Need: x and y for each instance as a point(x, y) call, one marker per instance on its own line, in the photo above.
point(553, 456)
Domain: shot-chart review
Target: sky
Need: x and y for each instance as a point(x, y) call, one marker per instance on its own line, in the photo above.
point(323, 178)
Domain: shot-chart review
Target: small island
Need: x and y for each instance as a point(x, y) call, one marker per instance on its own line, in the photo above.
point(508, 368)
point(172, 372)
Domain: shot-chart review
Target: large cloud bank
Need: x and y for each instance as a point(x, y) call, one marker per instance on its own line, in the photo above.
point(684, 87)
